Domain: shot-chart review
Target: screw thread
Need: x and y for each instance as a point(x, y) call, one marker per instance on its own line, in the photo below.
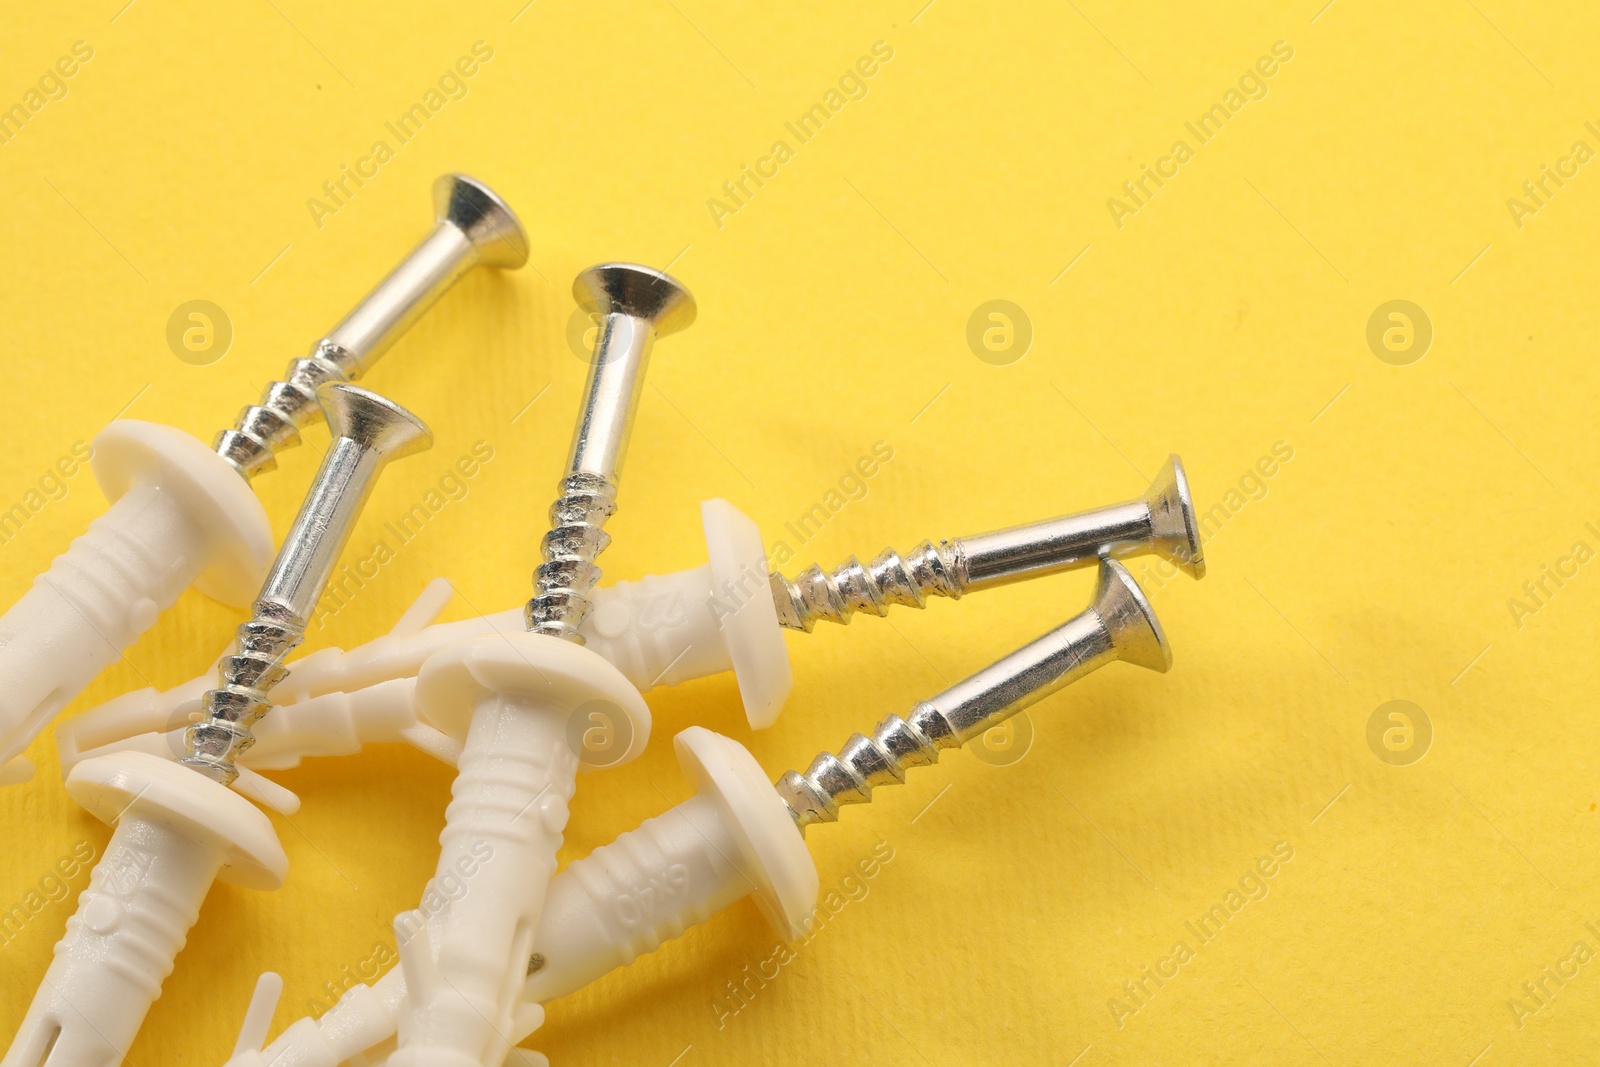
point(273, 424)
point(244, 677)
point(864, 762)
point(815, 594)
point(569, 574)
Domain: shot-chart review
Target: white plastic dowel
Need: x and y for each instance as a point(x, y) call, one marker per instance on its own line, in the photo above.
point(261, 789)
point(180, 515)
point(742, 609)
point(360, 1024)
point(16, 770)
point(176, 831)
point(660, 630)
point(258, 1017)
point(668, 629)
point(732, 839)
point(514, 701)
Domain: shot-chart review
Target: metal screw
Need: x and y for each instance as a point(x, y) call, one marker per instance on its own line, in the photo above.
point(636, 305)
point(1118, 625)
point(1162, 521)
point(509, 699)
point(474, 228)
point(369, 433)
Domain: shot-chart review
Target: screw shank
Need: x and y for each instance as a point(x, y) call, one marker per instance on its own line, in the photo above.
point(1040, 548)
point(402, 298)
point(320, 531)
point(1033, 672)
point(616, 381)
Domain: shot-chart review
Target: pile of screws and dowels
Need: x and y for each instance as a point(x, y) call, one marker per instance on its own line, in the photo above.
point(496, 696)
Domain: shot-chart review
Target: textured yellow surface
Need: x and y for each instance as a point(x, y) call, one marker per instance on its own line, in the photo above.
point(1222, 314)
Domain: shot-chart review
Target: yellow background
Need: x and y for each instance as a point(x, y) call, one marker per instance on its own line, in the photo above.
point(1227, 315)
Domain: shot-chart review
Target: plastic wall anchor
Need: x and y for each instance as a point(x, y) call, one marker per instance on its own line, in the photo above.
point(744, 612)
point(258, 1016)
point(266, 792)
point(426, 609)
point(515, 701)
point(180, 515)
point(361, 1025)
point(330, 724)
point(336, 724)
point(732, 839)
point(104, 728)
point(16, 770)
point(176, 831)
point(169, 746)
point(660, 630)
point(668, 629)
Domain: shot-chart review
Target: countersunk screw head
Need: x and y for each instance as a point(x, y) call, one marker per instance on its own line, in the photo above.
point(372, 421)
point(487, 220)
point(1172, 523)
point(639, 292)
point(1129, 619)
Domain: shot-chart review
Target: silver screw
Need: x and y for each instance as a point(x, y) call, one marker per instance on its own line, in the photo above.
point(474, 228)
point(369, 433)
point(1118, 625)
point(636, 305)
point(1162, 521)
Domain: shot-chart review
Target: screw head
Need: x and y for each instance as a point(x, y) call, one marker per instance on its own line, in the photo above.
point(378, 423)
point(1177, 534)
point(640, 292)
point(1132, 623)
point(487, 220)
